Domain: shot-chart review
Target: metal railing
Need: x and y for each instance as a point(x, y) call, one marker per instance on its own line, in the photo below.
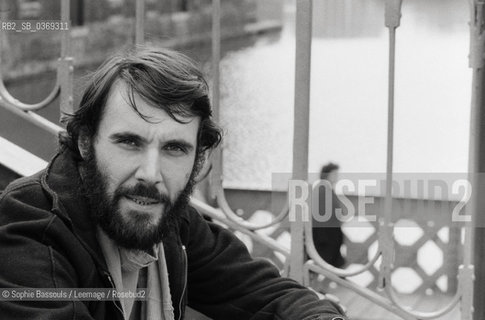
point(62, 87)
point(301, 232)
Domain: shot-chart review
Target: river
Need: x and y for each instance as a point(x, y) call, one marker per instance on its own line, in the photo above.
point(348, 107)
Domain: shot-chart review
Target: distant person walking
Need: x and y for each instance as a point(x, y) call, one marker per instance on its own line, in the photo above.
point(327, 236)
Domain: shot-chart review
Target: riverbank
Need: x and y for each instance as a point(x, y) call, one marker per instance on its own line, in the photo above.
point(86, 53)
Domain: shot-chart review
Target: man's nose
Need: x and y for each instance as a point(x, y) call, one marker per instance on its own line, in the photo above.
point(150, 169)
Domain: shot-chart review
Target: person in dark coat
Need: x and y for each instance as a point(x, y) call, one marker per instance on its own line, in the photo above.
point(327, 235)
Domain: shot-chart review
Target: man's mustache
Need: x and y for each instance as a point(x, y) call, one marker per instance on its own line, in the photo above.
point(142, 190)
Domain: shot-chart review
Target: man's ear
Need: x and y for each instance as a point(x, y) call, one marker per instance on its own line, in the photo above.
point(83, 143)
point(205, 168)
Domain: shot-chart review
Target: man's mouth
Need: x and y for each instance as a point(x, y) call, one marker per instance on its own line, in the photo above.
point(143, 201)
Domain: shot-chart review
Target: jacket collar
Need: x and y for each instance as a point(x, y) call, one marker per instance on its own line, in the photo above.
point(62, 181)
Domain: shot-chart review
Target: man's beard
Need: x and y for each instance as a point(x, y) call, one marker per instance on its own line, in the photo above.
point(135, 232)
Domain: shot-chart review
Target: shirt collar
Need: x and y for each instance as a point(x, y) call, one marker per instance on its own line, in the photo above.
point(132, 260)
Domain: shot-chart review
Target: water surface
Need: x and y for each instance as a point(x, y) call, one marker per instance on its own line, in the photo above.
point(349, 93)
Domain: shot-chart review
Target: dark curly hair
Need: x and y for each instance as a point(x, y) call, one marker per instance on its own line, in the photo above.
point(165, 78)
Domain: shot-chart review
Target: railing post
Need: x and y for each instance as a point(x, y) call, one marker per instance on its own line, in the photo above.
point(476, 166)
point(65, 67)
point(301, 126)
point(216, 174)
point(140, 22)
point(392, 22)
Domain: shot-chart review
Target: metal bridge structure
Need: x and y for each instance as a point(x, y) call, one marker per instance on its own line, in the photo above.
point(301, 258)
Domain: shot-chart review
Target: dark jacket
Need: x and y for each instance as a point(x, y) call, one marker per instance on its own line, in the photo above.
point(47, 240)
point(328, 236)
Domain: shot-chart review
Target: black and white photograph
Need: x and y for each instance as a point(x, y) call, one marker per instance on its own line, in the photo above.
point(242, 159)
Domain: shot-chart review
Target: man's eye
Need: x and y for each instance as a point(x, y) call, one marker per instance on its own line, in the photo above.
point(129, 142)
point(175, 149)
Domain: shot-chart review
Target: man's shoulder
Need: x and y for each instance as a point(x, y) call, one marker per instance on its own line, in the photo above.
point(25, 192)
point(23, 185)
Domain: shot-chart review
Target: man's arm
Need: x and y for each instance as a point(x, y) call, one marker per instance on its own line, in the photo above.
point(31, 242)
point(224, 282)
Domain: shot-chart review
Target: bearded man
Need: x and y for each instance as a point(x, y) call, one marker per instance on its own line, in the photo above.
point(111, 210)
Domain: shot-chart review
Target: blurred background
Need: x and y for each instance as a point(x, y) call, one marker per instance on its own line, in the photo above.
point(349, 77)
point(348, 104)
